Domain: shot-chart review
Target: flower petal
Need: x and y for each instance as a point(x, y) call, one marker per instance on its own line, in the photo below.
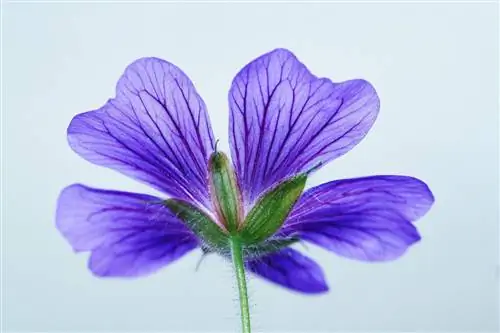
point(156, 130)
point(290, 269)
point(362, 218)
point(128, 234)
point(284, 120)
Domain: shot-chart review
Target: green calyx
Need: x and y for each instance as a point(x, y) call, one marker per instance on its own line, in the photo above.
point(268, 246)
point(271, 210)
point(213, 237)
point(255, 232)
point(225, 193)
point(257, 250)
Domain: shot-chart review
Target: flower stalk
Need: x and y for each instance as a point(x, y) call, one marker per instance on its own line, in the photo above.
point(239, 269)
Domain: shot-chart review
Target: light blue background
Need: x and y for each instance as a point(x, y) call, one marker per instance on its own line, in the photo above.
point(435, 69)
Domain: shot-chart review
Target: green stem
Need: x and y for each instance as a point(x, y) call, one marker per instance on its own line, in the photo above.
point(239, 268)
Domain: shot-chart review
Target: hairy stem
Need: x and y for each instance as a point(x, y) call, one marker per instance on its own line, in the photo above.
point(239, 268)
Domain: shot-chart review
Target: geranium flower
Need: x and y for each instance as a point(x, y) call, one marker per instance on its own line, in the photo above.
point(284, 123)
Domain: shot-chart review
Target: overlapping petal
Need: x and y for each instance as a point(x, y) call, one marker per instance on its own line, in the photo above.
point(284, 120)
point(363, 218)
point(291, 269)
point(128, 234)
point(156, 130)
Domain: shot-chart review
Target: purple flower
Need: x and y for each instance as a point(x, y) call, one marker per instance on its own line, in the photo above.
point(283, 122)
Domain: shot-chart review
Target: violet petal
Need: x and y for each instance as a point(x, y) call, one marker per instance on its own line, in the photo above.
point(156, 130)
point(290, 269)
point(128, 234)
point(363, 218)
point(284, 120)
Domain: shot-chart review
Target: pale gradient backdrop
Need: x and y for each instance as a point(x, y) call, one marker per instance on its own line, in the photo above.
point(435, 69)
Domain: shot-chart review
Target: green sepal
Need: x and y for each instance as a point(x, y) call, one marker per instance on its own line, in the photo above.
point(224, 191)
point(269, 246)
point(212, 236)
point(271, 210)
